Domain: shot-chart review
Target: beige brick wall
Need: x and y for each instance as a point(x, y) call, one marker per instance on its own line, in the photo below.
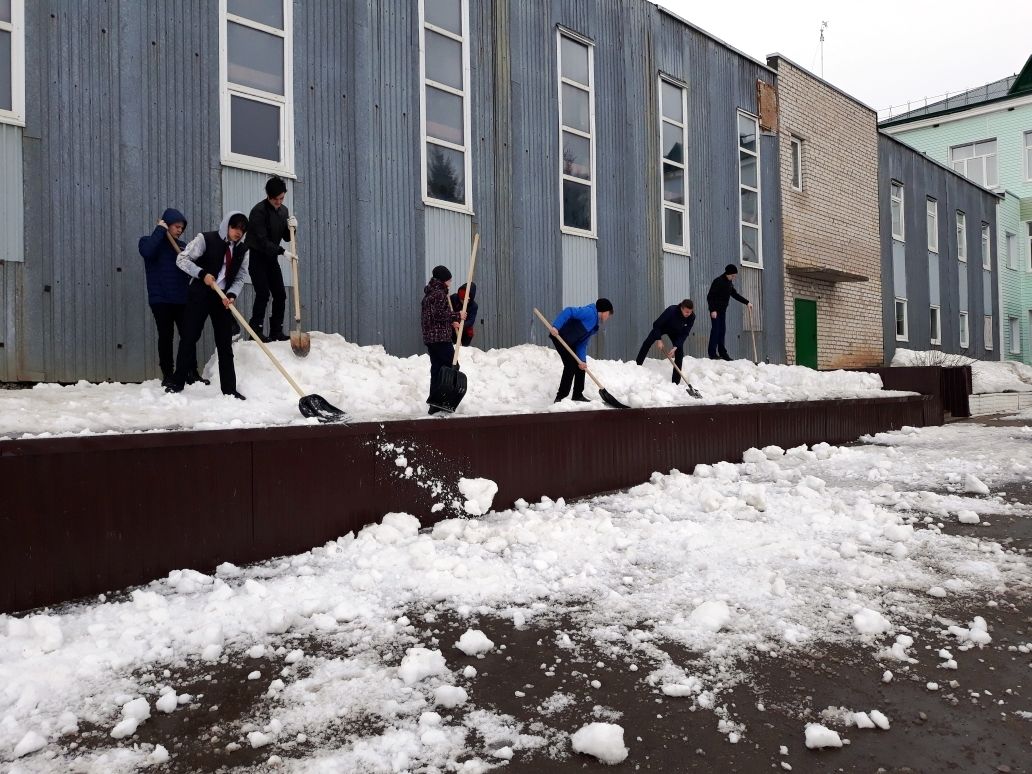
point(833, 221)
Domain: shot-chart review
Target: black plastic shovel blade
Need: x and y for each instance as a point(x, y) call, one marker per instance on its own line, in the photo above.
point(610, 400)
point(317, 406)
point(450, 389)
point(693, 392)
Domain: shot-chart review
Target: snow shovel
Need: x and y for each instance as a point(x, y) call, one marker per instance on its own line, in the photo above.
point(608, 399)
point(691, 390)
point(752, 330)
point(310, 405)
point(300, 343)
point(450, 389)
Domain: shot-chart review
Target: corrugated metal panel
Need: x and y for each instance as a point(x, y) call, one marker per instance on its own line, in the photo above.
point(449, 238)
point(677, 279)
point(241, 190)
point(1026, 208)
point(934, 296)
point(12, 205)
point(580, 271)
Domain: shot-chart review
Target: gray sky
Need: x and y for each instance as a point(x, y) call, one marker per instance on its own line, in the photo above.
point(883, 52)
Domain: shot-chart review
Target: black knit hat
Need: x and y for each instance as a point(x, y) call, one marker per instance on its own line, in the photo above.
point(604, 305)
point(730, 269)
point(441, 273)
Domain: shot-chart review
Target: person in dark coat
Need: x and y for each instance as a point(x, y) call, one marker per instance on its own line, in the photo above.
point(439, 323)
point(675, 322)
point(720, 294)
point(268, 225)
point(212, 258)
point(166, 287)
point(576, 325)
point(468, 328)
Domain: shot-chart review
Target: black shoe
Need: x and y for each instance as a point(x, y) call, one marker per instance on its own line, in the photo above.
point(258, 329)
point(235, 394)
point(581, 399)
point(432, 410)
point(713, 357)
point(195, 377)
point(277, 336)
point(172, 386)
point(725, 356)
point(234, 327)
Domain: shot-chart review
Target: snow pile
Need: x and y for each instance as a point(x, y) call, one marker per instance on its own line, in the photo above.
point(602, 740)
point(474, 642)
point(987, 376)
point(818, 737)
point(479, 494)
point(372, 385)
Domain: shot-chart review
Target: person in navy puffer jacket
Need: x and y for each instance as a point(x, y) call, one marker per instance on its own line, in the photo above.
point(166, 286)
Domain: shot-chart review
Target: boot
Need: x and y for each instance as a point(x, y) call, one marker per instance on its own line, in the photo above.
point(194, 377)
point(725, 356)
point(581, 399)
point(258, 327)
point(277, 334)
point(234, 394)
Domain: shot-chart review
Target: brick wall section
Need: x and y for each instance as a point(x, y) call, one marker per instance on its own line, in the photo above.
point(833, 221)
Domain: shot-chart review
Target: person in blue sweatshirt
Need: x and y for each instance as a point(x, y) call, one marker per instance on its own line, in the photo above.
point(166, 287)
point(576, 325)
point(675, 322)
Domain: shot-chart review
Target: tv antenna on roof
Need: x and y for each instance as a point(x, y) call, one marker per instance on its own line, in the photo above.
point(824, 24)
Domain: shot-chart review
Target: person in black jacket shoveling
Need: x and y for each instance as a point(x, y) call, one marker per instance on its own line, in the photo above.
point(576, 325)
point(212, 258)
point(675, 322)
point(439, 323)
point(720, 294)
point(267, 226)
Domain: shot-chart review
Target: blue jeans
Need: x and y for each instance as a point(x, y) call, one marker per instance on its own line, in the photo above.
point(718, 327)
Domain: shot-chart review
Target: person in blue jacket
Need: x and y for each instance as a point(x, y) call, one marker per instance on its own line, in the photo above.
point(576, 325)
point(675, 322)
point(166, 287)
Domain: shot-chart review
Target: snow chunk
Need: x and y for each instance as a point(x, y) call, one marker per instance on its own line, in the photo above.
point(479, 494)
point(604, 741)
point(450, 696)
point(167, 703)
point(158, 756)
point(258, 739)
point(29, 743)
point(974, 485)
point(711, 616)
point(879, 720)
point(967, 517)
point(474, 642)
point(818, 736)
point(420, 663)
point(505, 753)
point(869, 621)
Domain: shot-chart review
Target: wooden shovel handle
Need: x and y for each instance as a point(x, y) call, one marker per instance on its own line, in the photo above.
point(752, 330)
point(293, 273)
point(569, 349)
point(670, 357)
point(465, 300)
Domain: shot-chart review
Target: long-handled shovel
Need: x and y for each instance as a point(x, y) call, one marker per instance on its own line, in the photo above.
point(691, 390)
point(752, 330)
point(300, 343)
point(450, 389)
point(602, 391)
point(310, 405)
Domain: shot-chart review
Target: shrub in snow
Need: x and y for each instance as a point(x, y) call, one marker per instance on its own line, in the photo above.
point(420, 663)
point(474, 642)
point(602, 740)
point(479, 494)
point(869, 621)
point(818, 736)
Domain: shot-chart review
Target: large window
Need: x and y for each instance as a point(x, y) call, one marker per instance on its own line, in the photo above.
point(987, 257)
point(961, 236)
point(1028, 156)
point(12, 61)
point(987, 331)
point(976, 161)
point(896, 207)
point(933, 226)
point(576, 134)
point(964, 330)
point(797, 164)
point(444, 105)
point(935, 325)
point(749, 189)
point(673, 117)
point(257, 85)
point(1014, 333)
point(1010, 246)
point(901, 319)
point(1029, 245)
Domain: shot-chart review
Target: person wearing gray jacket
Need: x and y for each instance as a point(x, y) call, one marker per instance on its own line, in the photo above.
point(212, 258)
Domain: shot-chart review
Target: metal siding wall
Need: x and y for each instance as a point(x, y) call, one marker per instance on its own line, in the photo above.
point(449, 238)
point(580, 271)
point(12, 204)
point(677, 279)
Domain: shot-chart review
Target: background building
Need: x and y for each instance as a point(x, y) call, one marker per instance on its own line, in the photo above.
point(598, 148)
point(832, 251)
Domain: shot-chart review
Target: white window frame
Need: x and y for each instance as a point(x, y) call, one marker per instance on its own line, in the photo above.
point(965, 334)
point(1028, 242)
point(932, 224)
point(1028, 156)
point(1014, 325)
point(591, 137)
point(742, 225)
point(935, 334)
point(285, 101)
point(987, 332)
point(987, 248)
point(465, 148)
point(960, 165)
point(796, 145)
point(684, 249)
point(16, 115)
point(905, 336)
point(1010, 242)
point(962, 254)
point(893, 199)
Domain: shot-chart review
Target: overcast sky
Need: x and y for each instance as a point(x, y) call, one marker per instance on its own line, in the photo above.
point(883, 52)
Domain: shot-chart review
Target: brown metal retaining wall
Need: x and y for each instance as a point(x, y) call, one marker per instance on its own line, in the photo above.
point(82, 516)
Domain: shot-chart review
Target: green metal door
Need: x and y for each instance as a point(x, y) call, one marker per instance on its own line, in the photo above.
point(806, 332)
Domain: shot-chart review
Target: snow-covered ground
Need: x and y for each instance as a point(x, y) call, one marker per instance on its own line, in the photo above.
point(987, 376)
point(371, 385)
point(787, 550)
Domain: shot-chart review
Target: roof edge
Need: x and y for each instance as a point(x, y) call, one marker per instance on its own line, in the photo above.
point(818, 78)
point(951, 170)
point(714, 38)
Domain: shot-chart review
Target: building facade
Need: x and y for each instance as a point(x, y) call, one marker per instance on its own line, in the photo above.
point(599, 148)
point(986, 134)
point(938, 256)
point(832, 251)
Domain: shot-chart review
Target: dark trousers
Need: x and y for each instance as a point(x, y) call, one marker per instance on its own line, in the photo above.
point(718, 327)
point(572, 374)
point(652, 338)
point(204, 303)
point(168, 318)
point(441, 354)
point(267, 280)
